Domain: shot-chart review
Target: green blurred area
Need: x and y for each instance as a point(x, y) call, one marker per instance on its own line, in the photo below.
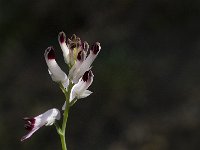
point(147, 76)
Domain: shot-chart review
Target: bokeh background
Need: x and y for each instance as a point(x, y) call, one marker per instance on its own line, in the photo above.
point(147, 76)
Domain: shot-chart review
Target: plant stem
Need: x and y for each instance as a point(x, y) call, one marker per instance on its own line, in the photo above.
point(62, 136)
point(62, 131)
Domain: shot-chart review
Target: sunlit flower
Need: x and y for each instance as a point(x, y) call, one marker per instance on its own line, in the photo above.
point(79, 90)
point(56, 73)
point(47, 119)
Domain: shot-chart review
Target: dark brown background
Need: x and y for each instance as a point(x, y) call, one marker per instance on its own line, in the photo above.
point(147, 76)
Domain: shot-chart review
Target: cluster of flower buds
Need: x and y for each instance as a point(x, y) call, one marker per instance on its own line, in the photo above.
point(79, 57)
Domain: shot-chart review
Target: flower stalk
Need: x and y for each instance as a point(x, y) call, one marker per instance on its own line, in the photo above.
point(62, 131)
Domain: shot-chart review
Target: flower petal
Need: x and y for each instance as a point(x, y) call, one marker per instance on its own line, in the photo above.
point(86, 93)
point(63, 45)
point(50, 116)
point(47, 119)
point(83, 84)
point(55, 71)
point(85, 66)
point(29, 134)
point(75, 68)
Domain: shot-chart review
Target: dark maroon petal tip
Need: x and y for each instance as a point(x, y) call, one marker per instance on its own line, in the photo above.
point(29, 127)
point(62, 37)
point(80, 56)
point(29, 123)
point(85, 76)
point(95, 48)
point(50, 53)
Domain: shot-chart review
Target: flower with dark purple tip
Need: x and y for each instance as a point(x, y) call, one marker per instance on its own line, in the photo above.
point(63, 45)
point(77, 72)
point(33, 124)
point(75, 68)
point(79, 90)
point(55, 71)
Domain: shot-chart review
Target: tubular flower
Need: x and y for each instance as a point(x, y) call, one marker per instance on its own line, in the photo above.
point(33, 124)
point(83, 63)
point(70, 48)
point(79, 90)
point(63, 45)
point(56, 73)
point(74, 70)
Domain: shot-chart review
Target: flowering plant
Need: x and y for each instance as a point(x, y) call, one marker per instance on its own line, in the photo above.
point(79, 59)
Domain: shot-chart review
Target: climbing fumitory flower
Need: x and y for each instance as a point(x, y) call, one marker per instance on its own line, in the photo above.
point(63, 45)
point(83, 63)
point(79, 60)
point(75, 68)
point(33, 124)
point(79, 90)
point(55, 71)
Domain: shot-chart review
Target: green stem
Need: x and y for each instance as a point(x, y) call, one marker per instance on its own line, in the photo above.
point(62, 131)
point(62, 138)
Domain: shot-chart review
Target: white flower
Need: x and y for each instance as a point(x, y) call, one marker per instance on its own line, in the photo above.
point(56, 73)
point(83, 65)
point(76, 67)
point(79, 90)
point(47, 119)
point(63, 45)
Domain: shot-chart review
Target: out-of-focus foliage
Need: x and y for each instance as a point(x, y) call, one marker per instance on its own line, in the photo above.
point(147, 76)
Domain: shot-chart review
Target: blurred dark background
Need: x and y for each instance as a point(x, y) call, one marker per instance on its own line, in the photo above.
point(147, 76)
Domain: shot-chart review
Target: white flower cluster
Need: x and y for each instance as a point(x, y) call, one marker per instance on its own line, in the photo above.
point(79, 58)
